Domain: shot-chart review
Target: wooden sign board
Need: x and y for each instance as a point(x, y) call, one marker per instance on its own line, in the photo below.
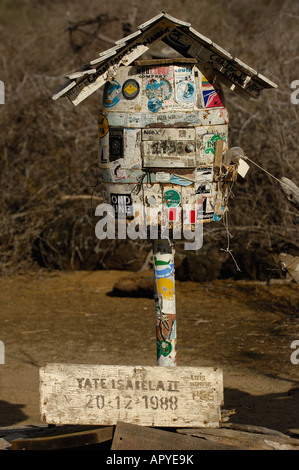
point(148, 396)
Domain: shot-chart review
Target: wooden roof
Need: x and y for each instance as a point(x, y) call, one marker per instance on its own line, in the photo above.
point(180, 36)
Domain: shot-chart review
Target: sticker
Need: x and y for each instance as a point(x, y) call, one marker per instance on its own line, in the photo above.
point(185, 92)
point(172, 198)
point(205, 82)
point(158, 89)
point(116, 143)
point(130, 89)
point(122, 204)
point(173, 214)
point(162, 177)
point(154, 105)
point(104, 155)
point(203, 188)
point(103, 126)
point(181, 181)
point(166, 288)
point(204, 174)
point(211, 99)
point(117, 172)
point(163, 270)
point(189, 216)
point(207, 209)
point(209, 142)
point(112, 94)
point(164, 348)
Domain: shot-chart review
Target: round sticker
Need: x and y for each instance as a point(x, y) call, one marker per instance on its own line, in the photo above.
point(103, 126)
point(130, 89)
point(154, 105)
point(172, 198)
point(164, 348)
point(186, 94)
point(112, 94)
point(161, 90)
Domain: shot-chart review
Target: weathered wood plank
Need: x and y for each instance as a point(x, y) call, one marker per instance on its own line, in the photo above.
point(175, 60)
point(130, 51)
point(133, 437)
point(181, 37)
point(218, 153)
point(243, 439)
point(154, 396)
point(65, 441)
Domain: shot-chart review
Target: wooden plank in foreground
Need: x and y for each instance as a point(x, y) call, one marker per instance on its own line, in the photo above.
point(244, 439)
point(65, 441)
point(149, 396)
point(133, 437)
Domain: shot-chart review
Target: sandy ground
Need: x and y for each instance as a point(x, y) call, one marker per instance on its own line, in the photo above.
point(246, 328)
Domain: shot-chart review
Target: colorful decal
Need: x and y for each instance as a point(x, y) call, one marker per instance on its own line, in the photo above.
point(103, 126)
point(116, 143)
point(186, 93)
point(205, 82)
point(161, 262)
point(204, 177)
point(164, 348)
point(157, 92)
point(165, 272)
point(166, 288)
point(216, 218)
point(130, 89)
point(211, 95)
point(172, 198)
point(209, 142)
point(158, 89)
point(112, 94)
point(154, 105)
point(173, 214)
point(157, 85)
point(181, 181)
point(172, 335)
point(212, 99)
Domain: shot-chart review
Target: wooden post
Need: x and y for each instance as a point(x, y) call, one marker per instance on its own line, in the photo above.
point(163, 252)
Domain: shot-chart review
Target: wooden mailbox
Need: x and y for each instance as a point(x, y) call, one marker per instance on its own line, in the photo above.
point(161, 120)
point(164, 145)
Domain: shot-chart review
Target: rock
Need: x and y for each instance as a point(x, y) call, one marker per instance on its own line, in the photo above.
point(135, 285)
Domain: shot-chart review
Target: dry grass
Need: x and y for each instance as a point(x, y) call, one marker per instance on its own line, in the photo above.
point(47, 147)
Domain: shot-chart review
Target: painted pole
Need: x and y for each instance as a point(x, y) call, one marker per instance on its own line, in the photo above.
point(164, 275)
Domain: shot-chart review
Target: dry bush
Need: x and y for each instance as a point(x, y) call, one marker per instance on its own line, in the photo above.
point(48, 148)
